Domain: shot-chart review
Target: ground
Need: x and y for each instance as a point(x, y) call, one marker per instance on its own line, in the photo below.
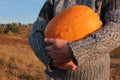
point(18, 62)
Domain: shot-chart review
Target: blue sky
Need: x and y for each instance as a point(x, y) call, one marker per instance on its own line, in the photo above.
point(23, 11)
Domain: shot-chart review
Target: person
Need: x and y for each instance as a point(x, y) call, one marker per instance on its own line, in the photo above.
point(85, 59)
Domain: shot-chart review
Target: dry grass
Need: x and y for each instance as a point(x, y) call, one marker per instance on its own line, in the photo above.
point(18, 62)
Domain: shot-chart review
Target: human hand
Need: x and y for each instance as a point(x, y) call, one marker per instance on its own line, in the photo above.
point(60, 53)
point(66, 66)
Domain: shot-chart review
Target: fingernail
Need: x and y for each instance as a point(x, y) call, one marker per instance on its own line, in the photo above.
point(45, 39)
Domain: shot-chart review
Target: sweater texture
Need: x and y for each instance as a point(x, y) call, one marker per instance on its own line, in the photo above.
point(91, 54)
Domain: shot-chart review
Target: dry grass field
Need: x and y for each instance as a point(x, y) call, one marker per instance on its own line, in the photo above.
point(18, 62)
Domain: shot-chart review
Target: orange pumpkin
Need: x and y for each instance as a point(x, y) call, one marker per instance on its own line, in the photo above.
point(73, 23)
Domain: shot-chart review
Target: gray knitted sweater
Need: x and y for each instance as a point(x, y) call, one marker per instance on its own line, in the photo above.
point(91, 54)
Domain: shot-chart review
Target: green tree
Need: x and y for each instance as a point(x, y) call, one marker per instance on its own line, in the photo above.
point(11, 28)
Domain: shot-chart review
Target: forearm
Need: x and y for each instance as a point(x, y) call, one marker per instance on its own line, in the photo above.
point(98, 44)
point(36, 37)
point(36, 41)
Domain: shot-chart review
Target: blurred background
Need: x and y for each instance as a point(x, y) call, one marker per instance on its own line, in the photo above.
point(17, 60)
point(23, 11)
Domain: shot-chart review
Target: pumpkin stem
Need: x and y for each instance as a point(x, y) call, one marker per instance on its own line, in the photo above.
point(99, 8)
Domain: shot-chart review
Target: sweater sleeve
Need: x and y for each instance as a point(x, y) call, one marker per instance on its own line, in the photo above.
point(100, 42)
point(36, 37)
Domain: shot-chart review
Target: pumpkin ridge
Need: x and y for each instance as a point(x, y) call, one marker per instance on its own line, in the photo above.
point(64, 31)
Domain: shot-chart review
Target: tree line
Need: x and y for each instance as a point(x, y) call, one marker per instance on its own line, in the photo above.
point(12, 27)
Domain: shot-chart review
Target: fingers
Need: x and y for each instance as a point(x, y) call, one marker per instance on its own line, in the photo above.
point(71, 65)
point(58, 50)
point(49, 41)
point(51, 51)
point(66, 66)
point(50, 48)
point(60, 66)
